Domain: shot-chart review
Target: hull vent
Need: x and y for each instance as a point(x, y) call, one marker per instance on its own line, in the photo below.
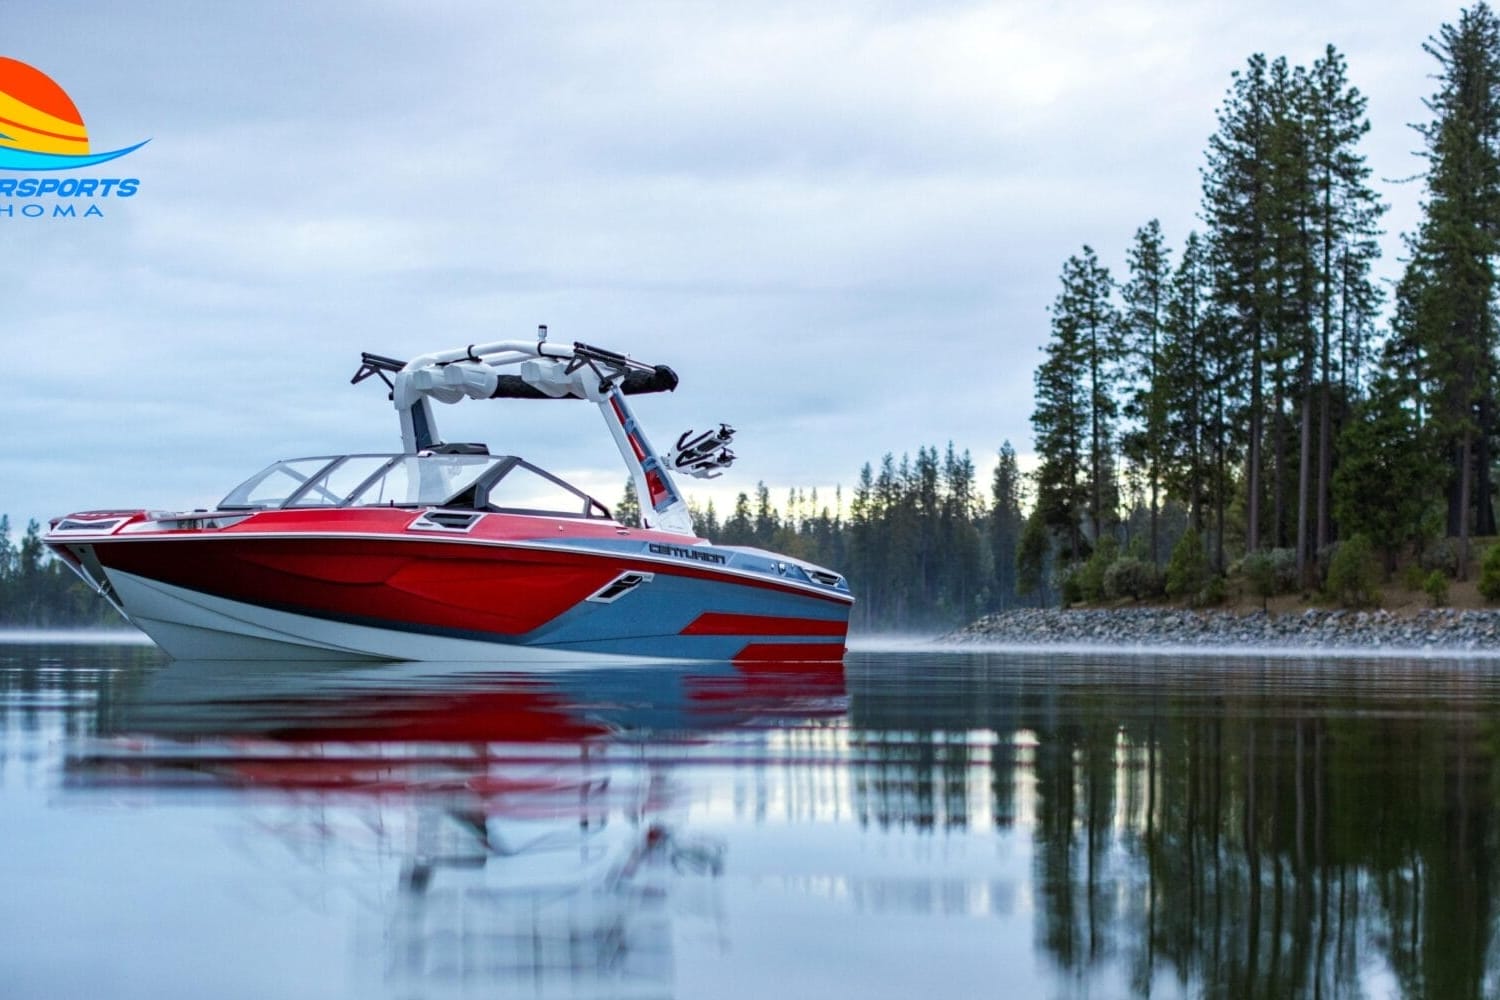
point(619, 587)
point(445, 520)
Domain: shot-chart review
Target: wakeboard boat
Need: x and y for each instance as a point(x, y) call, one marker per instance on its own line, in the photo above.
point(445, 551)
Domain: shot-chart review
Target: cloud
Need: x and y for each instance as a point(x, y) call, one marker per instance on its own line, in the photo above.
point(841, 223)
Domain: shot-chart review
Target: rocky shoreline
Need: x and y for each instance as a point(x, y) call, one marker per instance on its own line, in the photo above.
point(1436, 629)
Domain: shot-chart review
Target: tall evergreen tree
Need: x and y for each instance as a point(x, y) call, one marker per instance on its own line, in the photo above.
point(1006, 524)
point(628, 510)
point(739, 529)
point(1449, 288)
point(767, 520)
point(1060, 423)
point(1289, 261)
point(1184, 385)
point(1238, 204)
point(1033, 557)
point(959, 539)
point(1346, 214)
point(1381, 486)
point(1203, 377)
point(1145, 296)
point(1076, 408)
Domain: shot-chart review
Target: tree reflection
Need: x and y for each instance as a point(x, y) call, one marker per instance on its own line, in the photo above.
point(1235, 829)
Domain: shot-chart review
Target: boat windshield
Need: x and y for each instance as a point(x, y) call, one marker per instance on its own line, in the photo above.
point(485, 482)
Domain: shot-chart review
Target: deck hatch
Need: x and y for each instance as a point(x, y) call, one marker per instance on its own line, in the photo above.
point(87, 526)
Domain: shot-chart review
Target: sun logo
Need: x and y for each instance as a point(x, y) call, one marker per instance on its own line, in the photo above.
point(40, 127)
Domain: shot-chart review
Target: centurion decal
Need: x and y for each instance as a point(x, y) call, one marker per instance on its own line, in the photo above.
point(679, 552)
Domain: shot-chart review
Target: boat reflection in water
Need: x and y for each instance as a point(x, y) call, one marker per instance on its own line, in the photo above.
point(922, 823)
point(528, 823)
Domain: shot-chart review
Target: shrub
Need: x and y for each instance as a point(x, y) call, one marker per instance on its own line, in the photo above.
point(1319, 566)
point(1489, 573)
point(1412, 577)
point(1068, 589)
point(1440, 554)
point(1213, 592)
point(1284, 564)
point(1436, 586)
point(1188, 569)
point(1270, 572)
point(1129, 576)
point(1354, 573)
point(1090, 575)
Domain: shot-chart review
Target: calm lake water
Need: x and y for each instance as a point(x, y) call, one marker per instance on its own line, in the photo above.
point(919, 824)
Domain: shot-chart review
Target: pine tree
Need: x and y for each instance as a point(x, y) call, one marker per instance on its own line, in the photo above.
point(1288, 211)
point(921, 484)
point(959, 539)
point(1060, 422)
point(1145, 296)
point(740, 528)
point(628, 510)
point(1075, 406)
point(705, 520)
point(1238, 205)
point(1386, 472)
point(1005, 526)
point(1346, 216)
point(766, 519)
point(1033, 558)
point(865, 544)
point(1450, 282)
point(1185, 387)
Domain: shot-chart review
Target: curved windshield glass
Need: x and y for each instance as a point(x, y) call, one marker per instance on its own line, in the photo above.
point(525, 489)
point(273, 486)
point(332, 486)
point(426, 480)
point(484, 482)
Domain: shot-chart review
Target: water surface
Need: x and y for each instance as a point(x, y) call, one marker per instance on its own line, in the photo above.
point(921, 823)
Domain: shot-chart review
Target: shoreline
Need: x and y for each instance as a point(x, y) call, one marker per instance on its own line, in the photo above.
point(1459, 630)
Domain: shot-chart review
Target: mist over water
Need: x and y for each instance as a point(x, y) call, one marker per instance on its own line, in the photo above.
point(926, 820)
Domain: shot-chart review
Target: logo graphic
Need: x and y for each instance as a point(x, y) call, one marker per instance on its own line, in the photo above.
point(40, 127)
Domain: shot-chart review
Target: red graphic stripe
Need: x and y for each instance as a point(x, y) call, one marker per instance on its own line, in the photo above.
point(41, 131)
point(724, 623)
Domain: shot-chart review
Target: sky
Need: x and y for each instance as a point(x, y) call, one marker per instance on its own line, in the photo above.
point(842, 224)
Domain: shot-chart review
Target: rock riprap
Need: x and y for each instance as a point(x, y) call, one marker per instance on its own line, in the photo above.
point(1437, 628)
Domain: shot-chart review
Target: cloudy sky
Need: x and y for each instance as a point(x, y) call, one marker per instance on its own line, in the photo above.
point(841, 223)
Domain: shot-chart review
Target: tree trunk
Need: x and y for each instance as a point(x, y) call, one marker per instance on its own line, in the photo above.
point(1155, 553)
point(1278, 473)
point(1195, 449)
point(1096, 470)
point(1325, 427)
point(1455, 488)
point(1252, 459)
point(1304, 481)
point(1465, 482)
point(1484, 513)
point(1325, 462)
point(1219, 504)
